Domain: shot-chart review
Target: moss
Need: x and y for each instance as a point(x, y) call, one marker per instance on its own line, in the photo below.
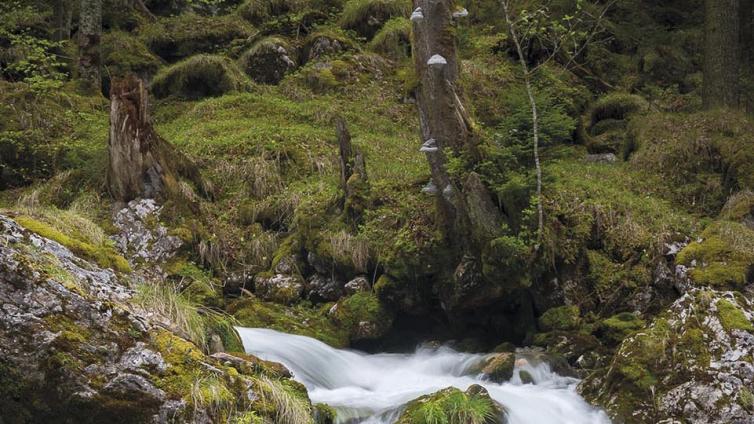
point(366, 17)
point(746, 399)
point(393, 39)
point(452, 406)
point(300, 319)
point(105, 256)
point(560, 318)
point(618, 327)
point(363, 316)
point(616, 106)
point(123, 53)
point(724, 257)
point(259, 11)
point(324, 414)
point(733, 318)
point(268, 60)
point(199, 76)
point(187, 34)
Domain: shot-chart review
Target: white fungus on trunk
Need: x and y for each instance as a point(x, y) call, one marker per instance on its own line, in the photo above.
point(437, 61)
point(430, 188)
point(429, 146)
point(462, 13)
point(417, 15)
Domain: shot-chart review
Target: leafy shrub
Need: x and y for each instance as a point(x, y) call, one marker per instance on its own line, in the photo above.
point(199, 76)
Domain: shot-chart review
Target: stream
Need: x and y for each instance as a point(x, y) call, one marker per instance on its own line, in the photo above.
point(374, 388)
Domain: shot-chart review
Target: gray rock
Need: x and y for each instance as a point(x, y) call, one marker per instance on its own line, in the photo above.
point(136, 387)
point(324, 289)
point(279, 288)
point(141, 236)
point(601, 158)
point(357, 285)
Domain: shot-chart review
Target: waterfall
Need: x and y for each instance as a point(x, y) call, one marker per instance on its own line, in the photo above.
point(373, 388)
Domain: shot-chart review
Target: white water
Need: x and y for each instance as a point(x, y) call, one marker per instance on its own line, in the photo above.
point(372, 389)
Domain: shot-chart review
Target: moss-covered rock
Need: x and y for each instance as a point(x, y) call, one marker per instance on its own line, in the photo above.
point(393, 39)
point(560, 318)
point(452, 406)
point(269, 60)
point(363, 316)
point(123, 53)
point(199, 76)
point(187, 34)
point(681, 365)
point(366, 17)
point(723, 257)
point(499, 367)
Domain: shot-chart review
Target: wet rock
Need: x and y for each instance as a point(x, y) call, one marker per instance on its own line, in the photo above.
point(324, 289)
point(498, 367)
point(279, 288)
point(446, 411)
point(357, 285)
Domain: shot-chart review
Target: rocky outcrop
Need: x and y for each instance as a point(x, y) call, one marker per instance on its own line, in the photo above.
point(691, 364)
point(452, 405)
point(74, 349)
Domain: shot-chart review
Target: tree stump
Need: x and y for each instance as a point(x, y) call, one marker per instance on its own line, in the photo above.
point(142, 164)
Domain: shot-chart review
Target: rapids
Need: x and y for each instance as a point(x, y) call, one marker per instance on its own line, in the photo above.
point(374, 388)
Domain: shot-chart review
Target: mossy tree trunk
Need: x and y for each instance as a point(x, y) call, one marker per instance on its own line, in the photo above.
point(466, 210)
point(722, 53)
point(90, 33)
point(353, 174)
point(142, 164)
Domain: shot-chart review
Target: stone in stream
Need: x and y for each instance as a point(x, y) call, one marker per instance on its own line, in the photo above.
point(451, 403)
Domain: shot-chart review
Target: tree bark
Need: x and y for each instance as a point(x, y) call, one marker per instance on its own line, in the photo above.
point(446, 128)
point(90, 32)
point(722, 54)
point(142, 164)
point(353, 174)
point(747, 55)
point(62, 18)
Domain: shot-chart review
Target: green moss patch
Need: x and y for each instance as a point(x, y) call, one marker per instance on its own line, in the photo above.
point(560, 318)
point(199, 76)
point(733, 318)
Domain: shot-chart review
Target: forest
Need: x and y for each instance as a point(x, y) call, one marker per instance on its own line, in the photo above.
point(377, 211)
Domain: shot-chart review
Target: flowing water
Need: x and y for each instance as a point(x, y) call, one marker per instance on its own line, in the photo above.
point(373, 388)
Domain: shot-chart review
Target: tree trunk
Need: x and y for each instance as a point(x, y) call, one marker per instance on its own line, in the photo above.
point(721, 54)
point(62, 20)
point(142, 164)
point(90, 32)
point(353, 175)
point(747, 55)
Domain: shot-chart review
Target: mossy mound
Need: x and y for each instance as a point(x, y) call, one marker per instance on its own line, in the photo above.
point(269, 60)
point(393, 39)
point(123, 53)
point(187, 34)
point(723, 257)
point(259, 11)
point(366, 17)
point(560, 318)
point(702, 156)
point(298, 319)
point(604, 125)
point(199, 76)
point(363, 316)
point(452, 406)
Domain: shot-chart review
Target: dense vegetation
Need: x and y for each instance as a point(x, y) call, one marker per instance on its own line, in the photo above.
point(647, 174)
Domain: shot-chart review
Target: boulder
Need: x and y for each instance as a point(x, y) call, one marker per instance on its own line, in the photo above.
point(453, 405)
point(324, 289)
point(357, 285)
point(279, 288)
point(269, 60)
point(498, 367)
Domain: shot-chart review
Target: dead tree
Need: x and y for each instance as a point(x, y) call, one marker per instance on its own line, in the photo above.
point(353, 174)
point(142, 164)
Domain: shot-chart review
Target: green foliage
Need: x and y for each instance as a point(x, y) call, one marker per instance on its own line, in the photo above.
point(618, 327)
point(733, 318)
point(199, 76)
point(259, 11)
point(366, 17)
